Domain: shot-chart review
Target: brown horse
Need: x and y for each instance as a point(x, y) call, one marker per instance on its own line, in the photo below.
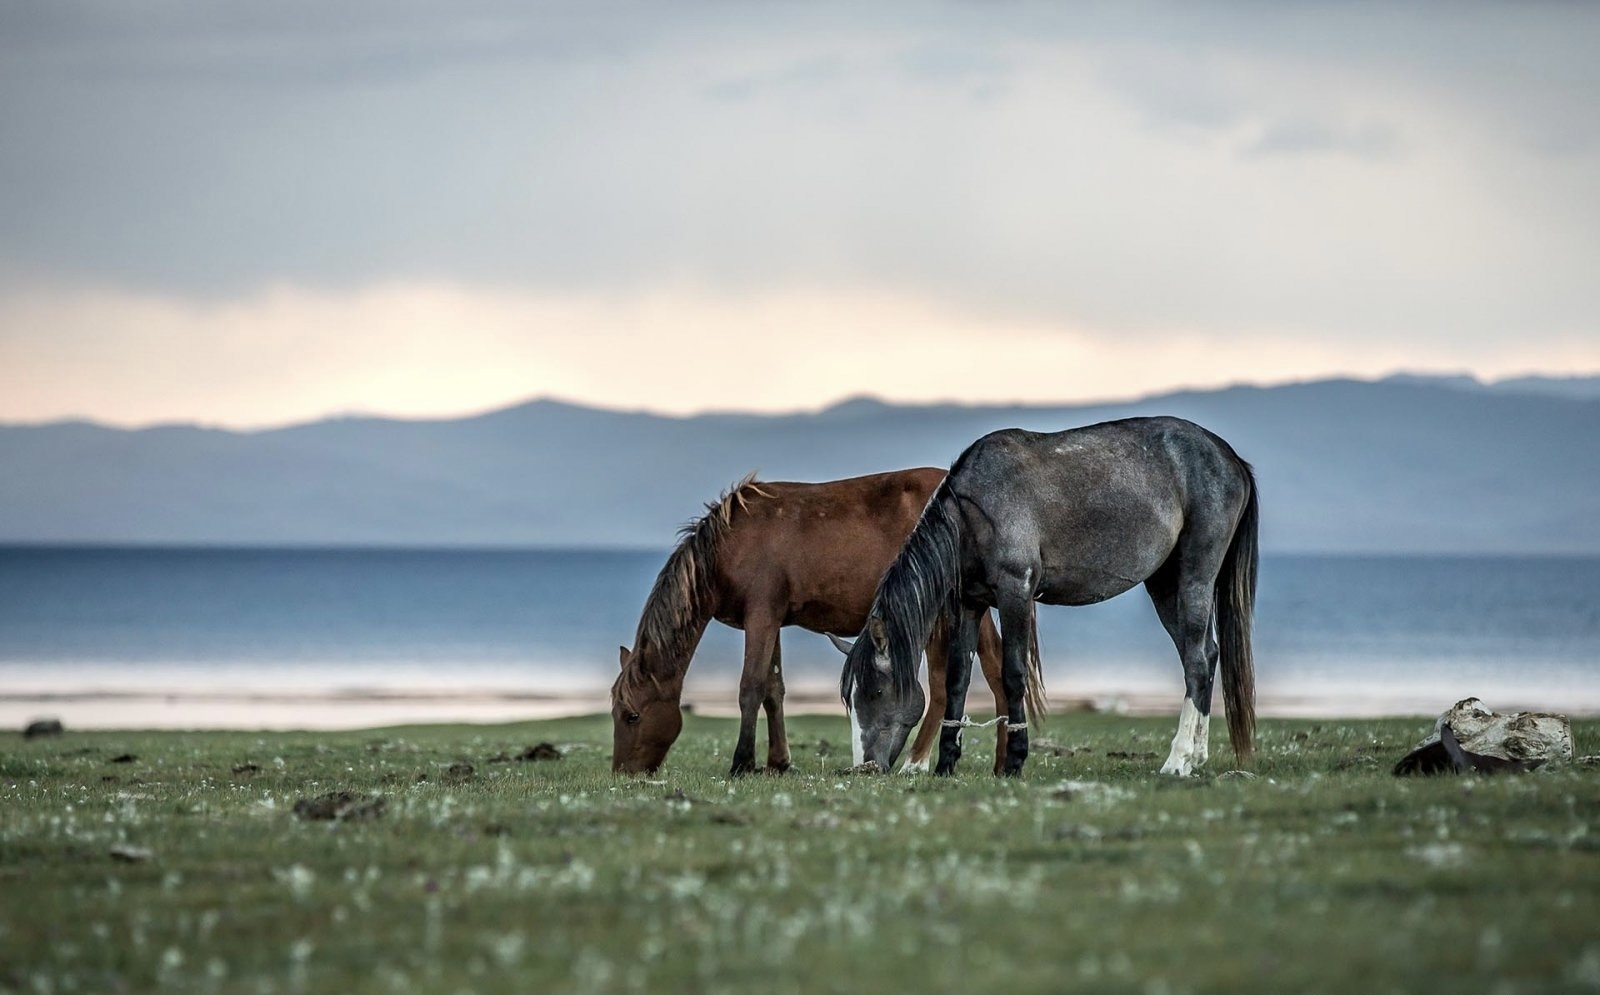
point(766, 555)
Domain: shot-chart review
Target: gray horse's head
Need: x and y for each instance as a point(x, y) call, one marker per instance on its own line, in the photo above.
point(882, 711)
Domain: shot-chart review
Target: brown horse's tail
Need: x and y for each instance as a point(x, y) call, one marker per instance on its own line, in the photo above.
point(1033, 698)
point(1235, 601)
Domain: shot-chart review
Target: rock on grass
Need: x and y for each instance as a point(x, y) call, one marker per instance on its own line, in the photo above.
point(43, 727)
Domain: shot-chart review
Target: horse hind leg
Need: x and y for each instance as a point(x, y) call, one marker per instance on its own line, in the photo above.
point(1186, 612)
point(777, 735)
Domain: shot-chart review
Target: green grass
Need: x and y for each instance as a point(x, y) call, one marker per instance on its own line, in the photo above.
point(1324, 874)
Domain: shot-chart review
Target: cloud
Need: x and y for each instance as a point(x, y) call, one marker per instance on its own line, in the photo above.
point(1370, 140)
point(436, 349)
point(1344, 177)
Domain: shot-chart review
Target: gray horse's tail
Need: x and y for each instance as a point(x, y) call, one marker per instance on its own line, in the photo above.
point(1235, 601)
point(919, 588)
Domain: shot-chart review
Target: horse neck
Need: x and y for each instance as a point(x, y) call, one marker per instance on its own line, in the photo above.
point(671, 660)
point(669, 635)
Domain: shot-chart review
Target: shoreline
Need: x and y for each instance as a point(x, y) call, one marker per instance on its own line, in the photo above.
point(290, 708)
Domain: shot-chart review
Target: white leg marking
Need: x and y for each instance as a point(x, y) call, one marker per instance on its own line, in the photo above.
point(915, 766)
point(1202, 741)
point(858, 752)
point(1181, 760)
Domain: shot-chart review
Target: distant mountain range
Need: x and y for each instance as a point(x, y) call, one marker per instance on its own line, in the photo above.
point(1409, 464)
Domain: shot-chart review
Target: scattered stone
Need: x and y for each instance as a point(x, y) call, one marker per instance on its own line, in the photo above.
point(1447, 757)
point(1593, 760)
point(340, 806)
point(1301, 736)
point(1472, 738)
point(730, 819)
point(1245, 775)
point(131, 854)
point(245, 768)
point(1129, 755)
point(499, 758)
point(43, 727)
point(460, 772)
point(125, 758)
point(543, 751)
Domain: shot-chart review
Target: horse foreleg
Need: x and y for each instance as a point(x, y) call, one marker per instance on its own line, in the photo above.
point(760, 637)
point(1016, 623)
point(922, 747)
point(989, 657)
point(777, 736)
point(958, 676)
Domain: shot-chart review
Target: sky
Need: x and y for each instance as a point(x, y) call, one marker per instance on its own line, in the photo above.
point(252, 214)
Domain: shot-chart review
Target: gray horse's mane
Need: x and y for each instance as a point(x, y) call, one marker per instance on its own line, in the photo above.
point(919, 586)
point(681, 601)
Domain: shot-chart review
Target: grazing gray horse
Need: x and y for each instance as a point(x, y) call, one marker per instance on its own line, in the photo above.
point(1068, 518)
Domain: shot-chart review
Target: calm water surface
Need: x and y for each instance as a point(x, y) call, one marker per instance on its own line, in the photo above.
point(552, 620)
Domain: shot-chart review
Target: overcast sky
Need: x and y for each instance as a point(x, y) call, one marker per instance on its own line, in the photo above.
point(246, 214)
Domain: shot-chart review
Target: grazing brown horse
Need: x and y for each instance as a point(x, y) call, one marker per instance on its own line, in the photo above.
point(766, 555)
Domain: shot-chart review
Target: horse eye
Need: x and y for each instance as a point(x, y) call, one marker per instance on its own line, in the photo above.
point(632, 718)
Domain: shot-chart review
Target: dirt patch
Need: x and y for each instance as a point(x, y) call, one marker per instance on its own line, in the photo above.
point(542, 751)
point(340, 806)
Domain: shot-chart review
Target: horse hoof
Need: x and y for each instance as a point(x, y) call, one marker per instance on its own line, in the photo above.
point(775, 769)
point(741, 769)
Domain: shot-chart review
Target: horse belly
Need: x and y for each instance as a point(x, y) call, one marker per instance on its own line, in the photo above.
point(844, 620)
point(1084, 588)
point(1098, 572)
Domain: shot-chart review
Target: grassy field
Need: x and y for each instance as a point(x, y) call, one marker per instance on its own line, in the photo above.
point(177, 862)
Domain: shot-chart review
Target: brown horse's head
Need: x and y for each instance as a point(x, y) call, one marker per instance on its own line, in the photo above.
point(646, 716)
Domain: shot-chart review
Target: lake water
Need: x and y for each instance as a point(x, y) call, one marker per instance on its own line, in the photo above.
point(204, 636)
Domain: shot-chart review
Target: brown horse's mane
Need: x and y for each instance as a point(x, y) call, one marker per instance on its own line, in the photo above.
point(682, 599)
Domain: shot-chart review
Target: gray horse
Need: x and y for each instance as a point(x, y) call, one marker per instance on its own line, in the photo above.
point(1069, 518)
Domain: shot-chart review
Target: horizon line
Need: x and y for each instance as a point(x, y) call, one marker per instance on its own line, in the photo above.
point(838, 402)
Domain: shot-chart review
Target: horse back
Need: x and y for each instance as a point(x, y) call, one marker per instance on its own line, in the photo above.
point(1093, 509)
point(818, 549)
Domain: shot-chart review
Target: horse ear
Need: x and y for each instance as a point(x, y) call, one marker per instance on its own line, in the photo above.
point(875, 630)
point(880, 643)
point(842, 645)
point(622, 656)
